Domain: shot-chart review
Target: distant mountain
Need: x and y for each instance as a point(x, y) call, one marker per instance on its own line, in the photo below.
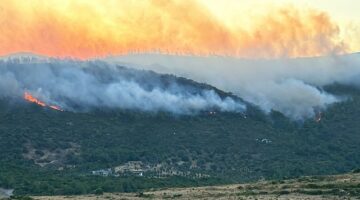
point(25, 57)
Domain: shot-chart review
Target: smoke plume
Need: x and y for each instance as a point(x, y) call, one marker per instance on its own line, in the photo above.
point(290, 86)
point(86, 29)
point(81, 86)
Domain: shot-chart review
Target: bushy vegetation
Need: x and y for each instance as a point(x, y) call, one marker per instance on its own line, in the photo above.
point(225, 146)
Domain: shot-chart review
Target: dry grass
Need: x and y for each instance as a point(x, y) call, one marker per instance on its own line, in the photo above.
point(320, 188)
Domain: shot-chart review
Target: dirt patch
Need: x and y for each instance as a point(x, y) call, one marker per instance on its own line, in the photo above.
point(47, 157)
point(5, 193)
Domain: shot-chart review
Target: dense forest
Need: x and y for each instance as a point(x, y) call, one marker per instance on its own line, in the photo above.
point(45, 151)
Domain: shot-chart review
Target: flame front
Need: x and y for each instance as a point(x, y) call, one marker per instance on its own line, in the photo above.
point(32, 99)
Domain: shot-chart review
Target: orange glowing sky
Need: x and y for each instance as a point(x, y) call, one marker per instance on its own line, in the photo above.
point(95, 28)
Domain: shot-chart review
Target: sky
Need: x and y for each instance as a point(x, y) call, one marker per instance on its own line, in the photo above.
point(248, 29)
point(342, 10)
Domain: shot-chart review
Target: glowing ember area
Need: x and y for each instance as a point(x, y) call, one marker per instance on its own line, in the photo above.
point(318, 117)
point(86, 29)
point(32, 99)
point(56, 108)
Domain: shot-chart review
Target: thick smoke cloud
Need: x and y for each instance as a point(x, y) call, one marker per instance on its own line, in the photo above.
point(80, 86)
point(87, 29)
point(291, 86)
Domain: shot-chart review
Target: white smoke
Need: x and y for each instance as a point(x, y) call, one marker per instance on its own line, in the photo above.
point(76, 85)
point(290, 86)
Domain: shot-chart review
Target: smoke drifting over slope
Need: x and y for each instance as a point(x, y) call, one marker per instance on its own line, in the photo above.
point(80, 86)
point(290, 86)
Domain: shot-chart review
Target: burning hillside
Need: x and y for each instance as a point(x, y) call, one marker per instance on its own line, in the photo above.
point(82, 86)
point(32, 99)
point(70, 85)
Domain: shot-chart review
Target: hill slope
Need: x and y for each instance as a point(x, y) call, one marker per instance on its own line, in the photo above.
point(44, 151)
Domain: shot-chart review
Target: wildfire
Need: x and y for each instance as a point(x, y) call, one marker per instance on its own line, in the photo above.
point(32, 99)
point(56, 108)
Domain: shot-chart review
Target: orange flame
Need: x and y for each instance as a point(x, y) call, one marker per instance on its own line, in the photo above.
point(32, 99)
point(85, 29)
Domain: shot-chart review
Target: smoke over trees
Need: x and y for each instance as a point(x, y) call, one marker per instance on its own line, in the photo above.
point(290, 86)
point(80, 86)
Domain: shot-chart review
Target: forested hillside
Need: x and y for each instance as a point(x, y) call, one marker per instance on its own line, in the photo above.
point(44, 151)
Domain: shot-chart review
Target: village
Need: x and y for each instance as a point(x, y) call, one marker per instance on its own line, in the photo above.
point(138, 168)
